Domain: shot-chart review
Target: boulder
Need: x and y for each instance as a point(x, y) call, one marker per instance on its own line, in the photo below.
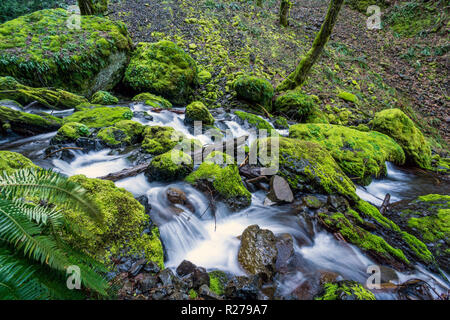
point(254, 90)
point(95, 53)
point(197, 111)
point(296, 105)
point(100, 117)
point(122, 133)
point(280, 190)
point(10, 161)
point(243, 288)
point(70, 132)
point(200, 277)
point(170, 166)
point(158, 140)
point(153, 100)
point(185, 268)
point(103, 98)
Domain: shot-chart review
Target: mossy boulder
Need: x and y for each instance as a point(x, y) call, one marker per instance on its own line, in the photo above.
point(220, 174)
point(345, 290)
point(103, 98)
point(100, 117)
point(10, 161)
point(158, 139)
point(295, 104)
point(124, 222)
point(306, 166)
point(153, 100)
point(281, 123)
point(123, 133)
point(26, 123)
point(255, 122)
point(361, 155)
point(164, 69)
point(348, 96)
point(43, 49)
point(396, 124)
point(10, 88)
point(254, 90)
point(428, 219)
point(170, 166)
point(197, 111)
point(70, 132)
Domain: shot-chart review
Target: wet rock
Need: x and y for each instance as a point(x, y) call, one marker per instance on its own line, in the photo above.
point(280, 190)
point(161, 293)
point(258, 251)
point(285, 249)
point(178, 296)
point(166, 277)
point(145, 281)
point(307, 290)
point(185, 268)
point(137, 267)
point(313, 202)
point(337, 202)
point(243, 288)
point(144, 201)
point(151, 267)
point(327, 276)
point(178, 196)
point(205, 292)
point(127, 288)
point(200, 277)
point(388, 275)
point(414, 289)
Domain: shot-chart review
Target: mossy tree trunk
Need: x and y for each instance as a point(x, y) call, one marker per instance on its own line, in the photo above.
point(285, 6)
point(92, 7)
point(298, 77)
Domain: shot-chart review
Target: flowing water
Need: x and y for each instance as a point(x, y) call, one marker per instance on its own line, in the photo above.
point(213, 242)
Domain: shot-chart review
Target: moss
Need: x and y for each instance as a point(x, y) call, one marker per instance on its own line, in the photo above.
point(362, 5)
point(254, 90)
point(164, 69)
point(124, 221)
point(347, 96)
point(396, 124)
point(123, 133)
point(39, 49)
point(296, 104)
point(193, 294)
point(153, 100)
point(365, 240)
point(26, 123)
point(196, 111)
point(100, 117)
point(158, 139)
point(70, 132)
point(255, 121)
point(57, 98)
point(204, 77)
point(372, 212)
point(345, 290)
point(223, 179)
point(316, 116)
point(440, 165)
point(103, 98)
point(218, 281)
point(281, 123)
point(170, 166)
point(419, 248)
point(10, 161)
point(307, 166)
point(361, 155)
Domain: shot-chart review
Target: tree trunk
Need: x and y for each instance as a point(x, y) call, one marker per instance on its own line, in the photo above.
point(92, 7)
point(284, 10)
point(298, 77)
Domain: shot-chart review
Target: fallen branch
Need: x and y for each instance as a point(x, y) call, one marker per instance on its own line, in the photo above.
point(385, 204)
point(62, 149)
point(125, 173)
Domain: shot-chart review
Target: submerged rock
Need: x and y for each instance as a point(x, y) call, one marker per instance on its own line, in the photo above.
point(94, 56)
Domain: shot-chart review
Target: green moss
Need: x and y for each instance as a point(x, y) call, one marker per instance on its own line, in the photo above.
point(158, 140)
point(296, 104)
point(164, 69)
point(10, 161)
point(100, 117)
point(170, 166)
point(193, 294)
point(204, 77)
point(217, 282)
point(153, 100)
point(254, 90)
point(255, 121)
point(223, 179)
point(103, 98)
point(419, 248)
point(57, 98)
point(345, 290)
point(433, 227)
point(124, 221)
point(39, 49)
point(347, 96)
point(396, 124)
point(361, 155)
point(362, 5)
point(125, 132)
point(196, 111)
point(27, 123)
point(372, 212)
point(70, 132)
point(307, 166)
point(281, 123)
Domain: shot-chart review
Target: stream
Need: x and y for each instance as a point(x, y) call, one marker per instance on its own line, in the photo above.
point(213, 243)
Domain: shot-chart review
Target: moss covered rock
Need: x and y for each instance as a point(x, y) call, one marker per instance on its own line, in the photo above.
point(254, 121)
point(254, 90)
point(361, 155)
point(170, 166)
point(222, 177)
point(197, 111)
point(396, 124)
point(10, 88)
point(158, 139)
point(347, 96)
point(70, 132)
point(345, 290)
point(307, 166)
point(153, 100)
point(26, 123)
point(281, 123)
point(124, 222)
point(296, 105)
point(123, 133)
point(43, 49)
point(10, 161)
point(103, 98)
point(99, 117)
point(164, 69)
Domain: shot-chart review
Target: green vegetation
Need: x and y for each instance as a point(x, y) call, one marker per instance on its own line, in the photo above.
point(217, 282)
point(255, 122)
point(152, 100)
point(11, 161)
point(104, 98)
point(345, 290)
point(254, 90)
point(122, 133)
point(11, 9)
point(296, 105)
point(100, 117)
point(196, 111)
point(158, 140)
point(70, 132)
point(170, 166)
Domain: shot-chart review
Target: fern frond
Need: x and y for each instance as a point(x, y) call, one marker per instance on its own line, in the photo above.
point(50, 186)
point(40, 214)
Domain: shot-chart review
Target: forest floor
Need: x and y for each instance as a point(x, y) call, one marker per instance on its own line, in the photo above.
point(380, 67)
